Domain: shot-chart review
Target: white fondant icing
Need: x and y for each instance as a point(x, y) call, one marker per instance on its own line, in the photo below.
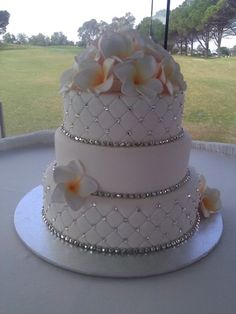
point(128, 170)
point(115, 117)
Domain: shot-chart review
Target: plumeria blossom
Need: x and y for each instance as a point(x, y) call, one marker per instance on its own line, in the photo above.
point(94, 76)
point(171, 75)
point(210, 201)
point(89, 54)
point(72, 185)
point(124, 61)
point(138, 77)
point(116, 45)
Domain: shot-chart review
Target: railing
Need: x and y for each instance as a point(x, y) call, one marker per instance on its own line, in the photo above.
point(2, 127)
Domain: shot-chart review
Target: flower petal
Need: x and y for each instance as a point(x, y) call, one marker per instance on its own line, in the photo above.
point(87, 186)
point(89, 54)
point(63, 174)
point(90, 75)
point(170, 87)
point(124, 71)
point(76, 167)
point(204, 211)
point(67, 77)
point(146, 67)
point(115, 44)
point(107, 66)
point(128, 88)
point(105, 86)
point(73, 201)
point(58, 194)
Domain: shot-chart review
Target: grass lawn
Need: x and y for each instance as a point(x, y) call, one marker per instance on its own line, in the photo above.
point(30, 82)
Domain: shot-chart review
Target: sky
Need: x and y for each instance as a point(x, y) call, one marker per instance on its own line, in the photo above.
point(48, 16)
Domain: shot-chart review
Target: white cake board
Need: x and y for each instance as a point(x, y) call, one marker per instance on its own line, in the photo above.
point(36, 236)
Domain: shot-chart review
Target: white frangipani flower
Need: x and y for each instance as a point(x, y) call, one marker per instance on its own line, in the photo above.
point(89, 54)
point(114, 44)
point(139, 77)
point(72, 185)
point(210, 201)
point(95, 77)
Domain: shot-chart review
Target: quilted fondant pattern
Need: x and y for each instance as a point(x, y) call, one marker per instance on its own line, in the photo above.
point(116, 117)
point(125, 223)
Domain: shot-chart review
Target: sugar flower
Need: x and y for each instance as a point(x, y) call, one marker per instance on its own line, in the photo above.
point(72, 185)
point(171, 76)
point(138, 77)
point(114, 44)
point(93, 76)
point(210, 201)
point(124, 61)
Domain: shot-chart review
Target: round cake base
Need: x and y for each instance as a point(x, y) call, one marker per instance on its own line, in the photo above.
point(36, 236)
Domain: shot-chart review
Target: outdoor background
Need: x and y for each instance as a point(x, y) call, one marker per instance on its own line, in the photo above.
point(30, 72)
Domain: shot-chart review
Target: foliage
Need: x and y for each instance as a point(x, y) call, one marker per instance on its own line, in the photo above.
point(157, 29)
point(58, 38)
point(4, 21)
point(21, 38)
point(9, 38)
point(224, 51)
point(39, 40)
point(89, 31)
point(202, 20)
point(92, 29)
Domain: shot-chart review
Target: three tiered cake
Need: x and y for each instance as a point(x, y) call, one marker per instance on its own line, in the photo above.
point(121, 182)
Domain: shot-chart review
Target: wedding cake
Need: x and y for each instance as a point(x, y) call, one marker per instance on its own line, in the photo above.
point(121, 182)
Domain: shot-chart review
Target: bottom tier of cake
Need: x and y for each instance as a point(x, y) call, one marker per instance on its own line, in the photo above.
point(126, 225)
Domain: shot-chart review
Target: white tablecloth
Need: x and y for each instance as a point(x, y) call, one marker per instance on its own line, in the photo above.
point(29, 285)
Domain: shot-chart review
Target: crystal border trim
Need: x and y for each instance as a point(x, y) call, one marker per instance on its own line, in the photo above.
point(121, 144)
point(164, 191)
point(122, 251)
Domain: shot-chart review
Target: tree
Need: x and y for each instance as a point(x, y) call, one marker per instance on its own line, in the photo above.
point(4, 21)
point(39, 40)
point(126, 21)
point(9, 38)
point(157, 27)
point(233, 51)
point(160, 15)
point(89, 31)
point(224, 51)
point(21, 38)
point(58, 38)
point(222, 18)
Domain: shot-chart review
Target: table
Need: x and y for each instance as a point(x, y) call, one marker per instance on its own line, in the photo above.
point(29, 285)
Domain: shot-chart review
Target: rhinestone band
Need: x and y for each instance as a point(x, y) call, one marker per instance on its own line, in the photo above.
point(123, 251)
point(164, 191)
point(121, 144)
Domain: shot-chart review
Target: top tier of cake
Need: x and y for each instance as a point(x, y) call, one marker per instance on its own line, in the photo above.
point(116, 118)
point(123, 89)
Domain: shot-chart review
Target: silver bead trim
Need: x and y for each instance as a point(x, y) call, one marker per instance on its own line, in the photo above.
point(121, 144)
point(143, 195)
point(123, 251)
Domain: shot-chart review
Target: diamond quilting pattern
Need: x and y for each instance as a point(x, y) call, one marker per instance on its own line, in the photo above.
point(122, 224)
point(121, 118)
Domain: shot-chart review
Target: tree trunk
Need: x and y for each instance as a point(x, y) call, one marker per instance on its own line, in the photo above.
point(191, 51)
point(186, 47)
point(181, 47)
point(207, 43)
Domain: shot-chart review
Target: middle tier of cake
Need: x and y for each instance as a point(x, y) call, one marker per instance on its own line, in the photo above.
point(128, 170)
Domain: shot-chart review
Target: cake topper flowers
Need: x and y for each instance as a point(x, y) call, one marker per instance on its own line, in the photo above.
point(125, 62)
point(72, 185)
point(210, 201)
